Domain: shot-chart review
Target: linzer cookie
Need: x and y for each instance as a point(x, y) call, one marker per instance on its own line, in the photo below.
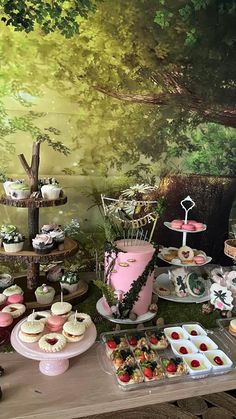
point(52, 342)
point(186, 254)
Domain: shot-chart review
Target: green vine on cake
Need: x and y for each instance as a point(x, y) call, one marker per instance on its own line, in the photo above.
point(107, 290)
point(130, 298)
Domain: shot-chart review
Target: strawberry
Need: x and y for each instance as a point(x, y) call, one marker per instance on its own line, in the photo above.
point(153, 340)
point(195, 363)
point(133, 341)
point(203, 347)
point(218, 360)
point(175, 335)
point(124, 377)
point(194, 333)
point(142, 357)
point(183, 350)
point(111, 344)
point(171, 367)
point(148, 372)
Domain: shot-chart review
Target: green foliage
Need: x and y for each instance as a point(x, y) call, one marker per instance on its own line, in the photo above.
point(107, 291)
point(57, 15)
point(213, 151)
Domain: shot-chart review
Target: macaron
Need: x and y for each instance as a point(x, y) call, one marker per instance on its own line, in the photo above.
point(15, 299)
point(176, 224)
point(6, 319)
point(55, 323)
point(31, 332)
point(61, 309)
point(199, 259)
point(73, 331)
point(199, 226)
point(188, 227)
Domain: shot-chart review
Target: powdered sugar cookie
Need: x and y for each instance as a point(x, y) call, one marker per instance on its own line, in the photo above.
point(185, 253)
point(52, 342)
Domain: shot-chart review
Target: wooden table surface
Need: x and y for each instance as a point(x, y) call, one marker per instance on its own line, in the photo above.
point(85, 389)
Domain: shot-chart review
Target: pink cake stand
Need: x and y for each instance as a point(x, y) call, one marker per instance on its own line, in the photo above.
point(53, 363)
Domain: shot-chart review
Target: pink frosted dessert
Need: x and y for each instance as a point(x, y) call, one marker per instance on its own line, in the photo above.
point(15, 299)
point(199, 259)
point(176, 224)
point(128, 267)
point(188, 227)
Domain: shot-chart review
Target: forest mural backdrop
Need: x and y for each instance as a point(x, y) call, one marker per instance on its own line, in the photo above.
point(120, 92)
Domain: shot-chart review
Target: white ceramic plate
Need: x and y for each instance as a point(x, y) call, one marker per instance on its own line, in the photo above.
point(176, 263)
point(140, 319)
point(168, 225)
point(164, 281)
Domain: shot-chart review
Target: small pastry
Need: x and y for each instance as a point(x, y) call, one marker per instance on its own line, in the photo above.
point(55, 323)
point(15, 299)
point(14, 289)
point(121, 357)
point(61, 309)
point(52, 342)
point(177, 224)
point(199, 226)
point(6, 319)
point(196, 286)
point(157, 340)
point(70, 281)
point(58, 237)
point(31, 332)
point(6, 281)
point(152, 371)
point(81, 318)
point(163, 291)
point(39, 316)
point(127, 375)
point(16, 310)
point(185, 253)
point(188, 227)
point(44, 294)
point(116, 342)
point(73, 331)
point(144, 353)
point(173, 367)
point(169, 255)
point(232, 327)
point(42, 244)
point(199, 259)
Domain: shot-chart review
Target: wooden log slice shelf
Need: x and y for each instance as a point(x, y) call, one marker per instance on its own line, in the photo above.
point(29, 296)
point(32, 202)
point(70, 249)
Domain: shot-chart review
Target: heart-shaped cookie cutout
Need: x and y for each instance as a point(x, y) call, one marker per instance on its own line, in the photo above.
point(52, 341)
point(185, 255)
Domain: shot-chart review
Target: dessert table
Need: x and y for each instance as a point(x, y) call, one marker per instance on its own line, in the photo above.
point(85, 389)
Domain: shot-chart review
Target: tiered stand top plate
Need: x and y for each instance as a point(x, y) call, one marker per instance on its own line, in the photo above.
point(179, 230)
point(32, 202)
point(70, 248)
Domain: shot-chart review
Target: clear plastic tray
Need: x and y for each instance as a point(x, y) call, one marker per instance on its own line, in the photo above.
point(157, 356)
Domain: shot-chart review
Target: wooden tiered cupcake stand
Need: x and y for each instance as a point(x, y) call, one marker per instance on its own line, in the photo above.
point(32, 279)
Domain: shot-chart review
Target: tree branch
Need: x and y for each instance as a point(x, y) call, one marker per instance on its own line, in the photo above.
point(24, 163)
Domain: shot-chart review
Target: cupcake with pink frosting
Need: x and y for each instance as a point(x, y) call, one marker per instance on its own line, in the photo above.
point(43, 243)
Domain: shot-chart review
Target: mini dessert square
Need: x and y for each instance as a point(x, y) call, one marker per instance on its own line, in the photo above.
point(157, 340)
point(203, 343)
point(175, 333)
point(145, 353)
point(183, 347)
point(197, 364)
point(194, 330)
point(152, 371)
point(219, 360)
point(121, 357)
point(127, 375)
point(137, 340)
point(116, 342)
point(173, 367)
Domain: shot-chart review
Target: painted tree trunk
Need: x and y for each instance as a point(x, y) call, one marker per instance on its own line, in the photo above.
point(214, 197)
point(32, 276)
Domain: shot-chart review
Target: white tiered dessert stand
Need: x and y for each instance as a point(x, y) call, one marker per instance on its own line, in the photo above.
point(53, 363)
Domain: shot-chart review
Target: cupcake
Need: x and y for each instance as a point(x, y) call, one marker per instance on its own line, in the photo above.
point(14, 289)
point(48, 228)
point(13, 242)
point(19, 191)
point(51, 191)
point(70, 281)
point(58, 237)
point(7, 184)
point(42, 243)
point(6, 281)
point(44, 294)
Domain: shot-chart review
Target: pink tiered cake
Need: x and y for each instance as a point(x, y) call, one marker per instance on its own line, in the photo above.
point(128, 267)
